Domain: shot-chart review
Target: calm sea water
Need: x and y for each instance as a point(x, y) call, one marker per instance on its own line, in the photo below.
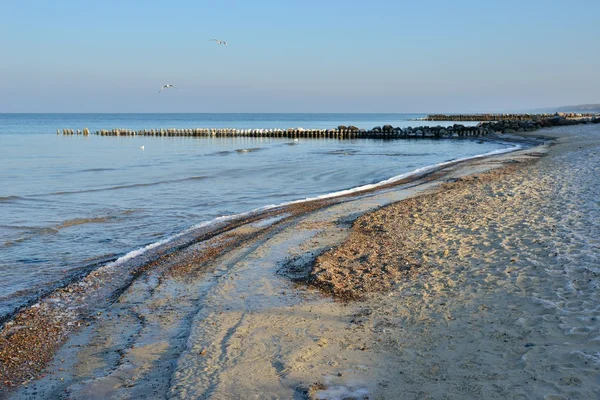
point(68, 202)
point(49, 123)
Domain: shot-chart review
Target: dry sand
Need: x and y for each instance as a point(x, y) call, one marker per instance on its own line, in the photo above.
point(485, 289)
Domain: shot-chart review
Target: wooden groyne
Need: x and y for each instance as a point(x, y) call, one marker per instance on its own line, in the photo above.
point(85, 132)
point(502, 117)
point(342, 132)
point(352, 132)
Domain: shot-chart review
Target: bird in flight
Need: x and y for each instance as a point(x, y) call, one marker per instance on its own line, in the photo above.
point(167, 86)
point(218, 41)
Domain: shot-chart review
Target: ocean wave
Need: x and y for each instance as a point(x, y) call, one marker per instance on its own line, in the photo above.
point(352, 152)
point(250, 150)
point(97, 169)
point(83, 221)
point(138, 252)
point(342, 152)
point(398, 154)
point(29, 232)
point(9, 198)
point(119, 187)
point(220, 153)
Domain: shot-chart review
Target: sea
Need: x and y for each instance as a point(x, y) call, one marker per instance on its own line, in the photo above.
point(72, 203)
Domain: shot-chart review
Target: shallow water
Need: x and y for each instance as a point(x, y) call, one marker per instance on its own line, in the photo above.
point(68, 202)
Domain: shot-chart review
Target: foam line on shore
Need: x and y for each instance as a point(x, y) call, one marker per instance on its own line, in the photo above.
point(397, 178)
point(135, 253)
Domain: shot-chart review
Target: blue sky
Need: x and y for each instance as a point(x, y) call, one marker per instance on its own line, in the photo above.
point(298, 56)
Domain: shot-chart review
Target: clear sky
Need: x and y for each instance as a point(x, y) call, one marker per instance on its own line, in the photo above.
point(298, 56)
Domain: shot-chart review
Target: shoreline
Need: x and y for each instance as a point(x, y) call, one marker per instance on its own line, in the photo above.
point(229, 239)
point(203, 228)
point(335, 272)
point(72, 296)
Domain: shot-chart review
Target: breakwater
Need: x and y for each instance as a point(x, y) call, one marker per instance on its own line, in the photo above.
point(341, 132)
point(534, 122)
point(537, 122)
point(502, 117)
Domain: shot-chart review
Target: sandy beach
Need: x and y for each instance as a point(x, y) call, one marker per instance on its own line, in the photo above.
point(478, 280)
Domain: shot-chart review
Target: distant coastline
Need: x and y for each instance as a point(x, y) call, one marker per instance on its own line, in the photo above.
point(581, 108)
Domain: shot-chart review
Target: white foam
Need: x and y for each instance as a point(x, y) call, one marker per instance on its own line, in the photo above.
point(403, 176)
point(135, 253)
point(138, 252)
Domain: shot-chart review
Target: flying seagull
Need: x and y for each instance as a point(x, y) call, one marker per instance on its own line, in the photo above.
point(218, 41)
point(167, 86)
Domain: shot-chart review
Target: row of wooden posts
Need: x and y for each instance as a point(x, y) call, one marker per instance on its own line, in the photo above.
point(291, 133)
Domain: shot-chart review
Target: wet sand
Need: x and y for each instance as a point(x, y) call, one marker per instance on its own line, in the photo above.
point(477, 281)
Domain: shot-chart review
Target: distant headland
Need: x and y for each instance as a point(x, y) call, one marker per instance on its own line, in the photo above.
point(581, 108)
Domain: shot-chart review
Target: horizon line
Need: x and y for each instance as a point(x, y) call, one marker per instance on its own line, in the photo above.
point(529, 111)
